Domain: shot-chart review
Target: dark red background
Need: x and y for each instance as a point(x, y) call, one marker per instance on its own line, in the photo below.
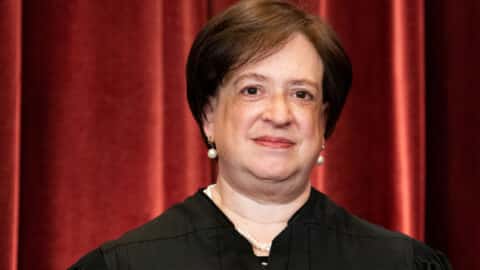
point(96, 136)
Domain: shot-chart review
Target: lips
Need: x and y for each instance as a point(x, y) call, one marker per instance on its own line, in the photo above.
point(274, 142)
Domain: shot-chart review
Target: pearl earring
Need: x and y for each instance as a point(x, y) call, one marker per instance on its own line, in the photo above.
point(321, 159)
point(212, 152)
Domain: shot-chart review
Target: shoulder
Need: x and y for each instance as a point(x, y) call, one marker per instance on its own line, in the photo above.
point(94, 260)
point(176, 222)
point(379, 240)
point(172, 223)
point(341, 221)
point(426, 257)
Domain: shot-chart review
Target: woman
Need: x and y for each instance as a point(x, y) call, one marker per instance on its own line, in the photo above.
point(266, 83)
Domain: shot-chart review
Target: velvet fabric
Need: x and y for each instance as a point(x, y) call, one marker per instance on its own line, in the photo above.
point(96, 136)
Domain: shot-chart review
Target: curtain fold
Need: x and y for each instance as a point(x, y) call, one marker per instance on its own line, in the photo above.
point(96, 136)
point(408, 111)
point(105, 122)
point(453, 128)
point(385, 42)
point(10, 96)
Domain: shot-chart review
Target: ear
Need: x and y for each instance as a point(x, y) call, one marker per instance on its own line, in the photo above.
point(208, 123)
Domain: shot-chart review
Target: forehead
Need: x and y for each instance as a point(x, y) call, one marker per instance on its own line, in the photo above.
point(297, 59)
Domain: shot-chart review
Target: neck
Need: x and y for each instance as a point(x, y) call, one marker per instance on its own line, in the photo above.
point(255, 209)
point(259, 221)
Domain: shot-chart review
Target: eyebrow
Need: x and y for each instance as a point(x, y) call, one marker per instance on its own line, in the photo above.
point(255, 76)
point(306, 82)
point(263, 78)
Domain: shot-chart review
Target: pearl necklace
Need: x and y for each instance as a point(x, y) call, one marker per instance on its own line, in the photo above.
point(265, 247)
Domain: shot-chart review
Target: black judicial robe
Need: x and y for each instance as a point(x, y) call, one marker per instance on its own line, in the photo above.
point(196, 235)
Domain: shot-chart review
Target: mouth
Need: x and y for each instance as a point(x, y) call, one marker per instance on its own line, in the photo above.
point(274, 142)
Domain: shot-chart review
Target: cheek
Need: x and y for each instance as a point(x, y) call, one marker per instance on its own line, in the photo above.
point(240, 116)
point(310, 122)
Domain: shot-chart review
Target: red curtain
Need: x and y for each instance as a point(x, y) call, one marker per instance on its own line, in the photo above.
point(96, 136)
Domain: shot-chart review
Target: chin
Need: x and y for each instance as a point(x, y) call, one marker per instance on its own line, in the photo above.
point(274, 167)
point(275, 175)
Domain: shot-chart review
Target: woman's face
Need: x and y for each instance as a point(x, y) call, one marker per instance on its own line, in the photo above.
point(268, 118)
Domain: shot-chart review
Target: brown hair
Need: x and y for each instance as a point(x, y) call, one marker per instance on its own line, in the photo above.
point(251, 30)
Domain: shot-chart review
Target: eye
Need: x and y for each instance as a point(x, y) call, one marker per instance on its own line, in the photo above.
point(250, 91)
point(303, 94)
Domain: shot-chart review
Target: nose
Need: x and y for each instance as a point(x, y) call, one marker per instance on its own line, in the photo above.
point(278, 111)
